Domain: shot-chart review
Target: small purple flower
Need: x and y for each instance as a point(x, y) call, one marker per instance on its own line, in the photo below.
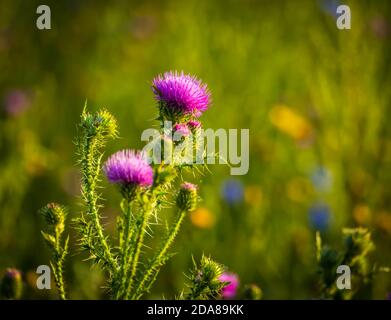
point(389, 296)
point(232, 191)
point(128, 167)
point(181, 93)
point(189, 186)
point(182, 129)
point(194, 124)
point(187, 197)
point(319, 216)
point(16, 101)
point(230, 290)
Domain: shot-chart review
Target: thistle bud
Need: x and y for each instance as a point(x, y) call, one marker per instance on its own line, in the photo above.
point(357, 241)
point(54, 215)
point(11, 284)
point(205, 280)
point(100, 123)
point(187, 197)
point(252, 292)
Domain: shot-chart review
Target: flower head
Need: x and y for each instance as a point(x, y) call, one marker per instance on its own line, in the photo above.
point(128, 168)
point(54, 215)
point(194, 124)
point(101, 123)
point(182, 129)
point(252, 292)
point(11, 284)
point(181, 94)
point(187, 197)
point(230, 290)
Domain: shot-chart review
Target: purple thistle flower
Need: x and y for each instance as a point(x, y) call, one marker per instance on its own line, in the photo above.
point(182, 129)
point(129, 168)
point(181, 93)
point(194, 124)
point(189, 186)
point(230, 290)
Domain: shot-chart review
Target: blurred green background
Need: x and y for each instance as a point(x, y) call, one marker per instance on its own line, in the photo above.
point(317, 101)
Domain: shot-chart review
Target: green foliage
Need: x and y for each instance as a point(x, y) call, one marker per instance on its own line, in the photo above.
point(357, 245)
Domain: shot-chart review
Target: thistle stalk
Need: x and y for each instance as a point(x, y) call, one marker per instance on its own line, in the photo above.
point(96, 129)
point(125, 247)
point(161, 256)
point(90, 177)
point(139, 242)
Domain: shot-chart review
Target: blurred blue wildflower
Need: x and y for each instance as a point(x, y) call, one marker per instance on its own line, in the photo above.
point(232, 191)
point(321, 179)
point(329, 7)
point(319, 216)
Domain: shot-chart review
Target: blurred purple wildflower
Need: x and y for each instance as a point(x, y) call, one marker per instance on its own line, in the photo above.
point(16, 101)
point(380, 27)
point(389, 296)
point(232, 191)
point(181, 93)
point(230, 290)
point(182, 129)
point(128, 167)
point(319, 216)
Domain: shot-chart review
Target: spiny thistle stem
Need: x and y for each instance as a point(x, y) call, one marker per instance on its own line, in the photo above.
point(153, 268)
point(89, 186)
point(58, 277)
point(96, 128)
point(139, 242)
point(125, 247)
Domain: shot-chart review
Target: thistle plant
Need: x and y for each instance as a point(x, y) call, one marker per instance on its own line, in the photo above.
point(54, 216)
point(146, 188)
point(357, 245)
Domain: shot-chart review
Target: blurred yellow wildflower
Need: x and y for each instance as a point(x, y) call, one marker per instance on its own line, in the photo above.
point(202, 218)
point(291, 123)
point(253, 195)
point(362, 214)
point(383, 221)
point(299, 189)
